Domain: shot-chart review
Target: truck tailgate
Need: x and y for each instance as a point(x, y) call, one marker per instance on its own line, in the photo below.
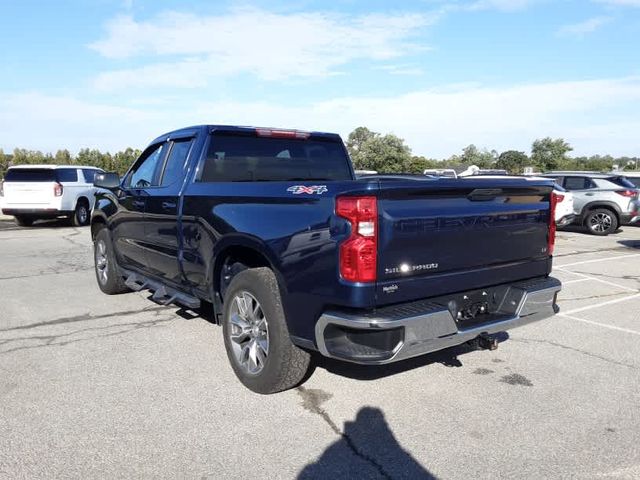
point(28, 193)
point(449, 235)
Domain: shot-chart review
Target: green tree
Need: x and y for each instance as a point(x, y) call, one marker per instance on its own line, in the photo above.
point(481, 158)
point(383, 153)
point(418, 164)
point(512, 161)
point(550, 154)
point(63, 157)
point(4, 163)
point(123, 160)
point(357, 138)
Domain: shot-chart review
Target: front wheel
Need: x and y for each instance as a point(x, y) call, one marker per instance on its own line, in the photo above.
point(107, 274)
point(256, 336)
point(601, 222)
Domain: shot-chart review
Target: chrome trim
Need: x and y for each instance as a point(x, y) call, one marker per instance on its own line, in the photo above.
point(436, 329)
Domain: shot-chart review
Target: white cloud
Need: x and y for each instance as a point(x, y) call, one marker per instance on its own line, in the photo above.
point(620, 3)
point(269, 45)
point(503, 5)
point(597, 116)
point(582, 28)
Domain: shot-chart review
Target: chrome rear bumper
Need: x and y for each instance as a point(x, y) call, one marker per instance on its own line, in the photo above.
point(407, 330)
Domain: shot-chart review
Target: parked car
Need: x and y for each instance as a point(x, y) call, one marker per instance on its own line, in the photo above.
point(33, 192)
point(602, 201)
point(297, 255)
point(564, 206)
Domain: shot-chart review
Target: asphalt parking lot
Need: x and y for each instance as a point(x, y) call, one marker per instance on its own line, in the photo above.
point(98, 386)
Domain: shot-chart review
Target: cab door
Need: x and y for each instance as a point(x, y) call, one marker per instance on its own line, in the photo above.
point(127, 227)
point(162, 210)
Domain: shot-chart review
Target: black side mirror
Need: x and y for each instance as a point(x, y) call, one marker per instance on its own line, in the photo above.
point(108, 180)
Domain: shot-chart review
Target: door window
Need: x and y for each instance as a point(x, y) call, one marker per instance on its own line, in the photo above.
point(67, 175)
point(143, 174)
point(176, 161)
point(577, 183)
point(89, 174)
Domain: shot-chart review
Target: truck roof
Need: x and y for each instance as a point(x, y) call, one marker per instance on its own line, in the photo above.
point(192, 130)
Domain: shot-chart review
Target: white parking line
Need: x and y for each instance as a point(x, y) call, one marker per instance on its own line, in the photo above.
point(599, 260)
point(578, 280)
point(604, 325)
point(595, 279)
point(602, 304)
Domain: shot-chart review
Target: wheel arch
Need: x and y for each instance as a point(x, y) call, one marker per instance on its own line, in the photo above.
point(98, 222)
point(611, 206)
point(246, 251)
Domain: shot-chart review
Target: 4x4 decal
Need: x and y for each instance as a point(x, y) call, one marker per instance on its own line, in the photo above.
point(309, 190)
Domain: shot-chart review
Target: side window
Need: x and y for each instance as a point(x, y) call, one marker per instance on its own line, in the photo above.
point(144, 172)
point(577, 183)
point(67, 175)
point(89, 174)
point(176, 161)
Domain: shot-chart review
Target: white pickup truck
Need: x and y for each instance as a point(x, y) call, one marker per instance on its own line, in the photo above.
point(34, 192)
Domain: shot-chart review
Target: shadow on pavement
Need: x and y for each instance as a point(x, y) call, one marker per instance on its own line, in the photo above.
point(583, 230)
point(630, 243)
point(449, 357)
point(10, 224)
point(378, 453)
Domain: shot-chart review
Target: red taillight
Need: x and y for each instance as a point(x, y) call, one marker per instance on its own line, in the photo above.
point(275, 133)
point(553, 201)
point(358, 254)
point(57, 190)
point(628, 193)
point(559, 198)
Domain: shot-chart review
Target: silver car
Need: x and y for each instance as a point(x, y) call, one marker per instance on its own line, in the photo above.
point(602, 202)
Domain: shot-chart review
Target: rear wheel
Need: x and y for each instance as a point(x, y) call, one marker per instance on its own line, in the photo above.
point(107, 274)
point(81, 214)
point(256, 336)
point(23, 221)
point(601, 222)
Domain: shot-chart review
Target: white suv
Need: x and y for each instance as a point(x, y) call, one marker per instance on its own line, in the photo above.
point(33, 192)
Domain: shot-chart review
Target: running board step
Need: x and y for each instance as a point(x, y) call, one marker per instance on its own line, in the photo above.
point(162, 294)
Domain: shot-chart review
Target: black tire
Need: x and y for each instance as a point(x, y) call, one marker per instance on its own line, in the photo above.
point(105, 265)
point(82, 215)
point(285, 365)
point(23, 221)
point(601, 222)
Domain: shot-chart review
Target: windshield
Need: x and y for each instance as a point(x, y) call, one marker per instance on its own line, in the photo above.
point(242, 158)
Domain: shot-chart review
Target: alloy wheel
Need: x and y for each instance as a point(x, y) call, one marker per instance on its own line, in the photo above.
point(102, 262)
point(600, 222)
point(249, 332)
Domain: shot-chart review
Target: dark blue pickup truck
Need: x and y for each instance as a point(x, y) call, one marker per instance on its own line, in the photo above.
point(297, 255)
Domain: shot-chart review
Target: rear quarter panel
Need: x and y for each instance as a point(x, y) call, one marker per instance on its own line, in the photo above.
point(298, 234)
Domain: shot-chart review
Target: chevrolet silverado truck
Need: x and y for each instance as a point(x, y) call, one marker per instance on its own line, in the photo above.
point(298, 256)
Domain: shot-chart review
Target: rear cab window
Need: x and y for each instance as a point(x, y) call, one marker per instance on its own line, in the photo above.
point(233, 157)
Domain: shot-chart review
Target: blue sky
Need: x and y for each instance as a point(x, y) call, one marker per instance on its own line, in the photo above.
point(439, 73)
